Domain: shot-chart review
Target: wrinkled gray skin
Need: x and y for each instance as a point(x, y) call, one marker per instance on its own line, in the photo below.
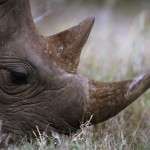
point(32, 88)
point(36, 91)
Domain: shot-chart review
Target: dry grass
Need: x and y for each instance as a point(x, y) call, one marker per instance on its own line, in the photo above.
point(127, 131)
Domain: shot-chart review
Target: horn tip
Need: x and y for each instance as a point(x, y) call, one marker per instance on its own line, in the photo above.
point(87, 24)
point(90, 21)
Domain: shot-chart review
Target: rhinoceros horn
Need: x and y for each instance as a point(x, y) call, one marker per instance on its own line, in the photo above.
point(65, 47)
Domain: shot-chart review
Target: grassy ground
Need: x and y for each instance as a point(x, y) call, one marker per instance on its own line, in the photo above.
point(117, 49)
point(130, 130)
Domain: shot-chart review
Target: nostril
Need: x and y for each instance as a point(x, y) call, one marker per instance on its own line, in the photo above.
point(3, 2)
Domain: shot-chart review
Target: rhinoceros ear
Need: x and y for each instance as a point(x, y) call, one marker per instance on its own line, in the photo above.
point(65, 47)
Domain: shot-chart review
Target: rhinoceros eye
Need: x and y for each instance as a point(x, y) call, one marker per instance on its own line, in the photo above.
point(16, 75)
point(18, 78)
point(11, 78)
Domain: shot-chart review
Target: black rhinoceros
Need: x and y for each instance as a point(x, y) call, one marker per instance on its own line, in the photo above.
point(39, 83)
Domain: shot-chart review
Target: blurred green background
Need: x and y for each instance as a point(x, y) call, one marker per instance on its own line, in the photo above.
point(119, 43)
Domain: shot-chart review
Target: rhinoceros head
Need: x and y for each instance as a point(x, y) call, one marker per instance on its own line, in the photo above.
point(39, 83)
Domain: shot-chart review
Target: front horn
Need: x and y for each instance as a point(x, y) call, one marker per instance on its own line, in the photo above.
point(108, 99)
